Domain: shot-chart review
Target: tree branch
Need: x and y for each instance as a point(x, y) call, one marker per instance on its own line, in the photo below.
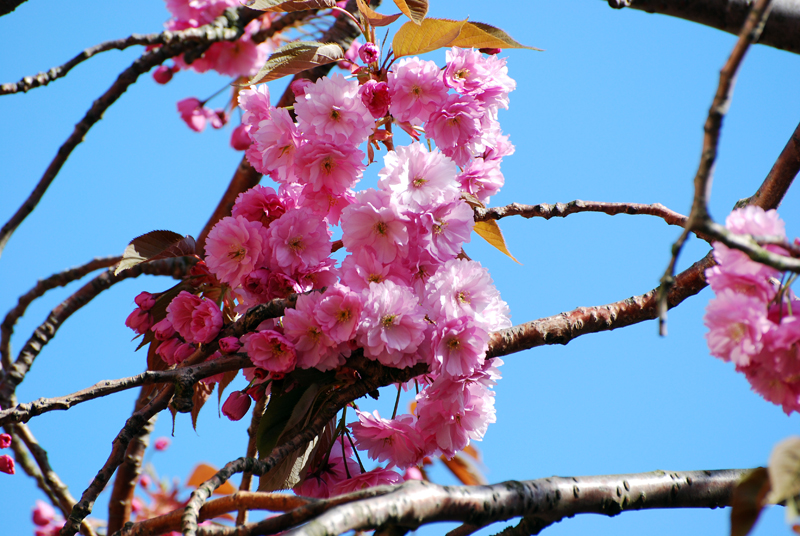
point(544, 502)
point(780, 177)
point(781, 31)
point(219, 30)
point(7, 6)
point(703, 178)
point(185, 376)
point(43, 285)
point(562, 210)
point(177, 267)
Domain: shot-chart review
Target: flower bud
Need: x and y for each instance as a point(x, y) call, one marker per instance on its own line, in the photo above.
point(236, 405)
point(229, 345)
point(6, 464)
point(240, 139)
point(162, 74)
point(369, 53)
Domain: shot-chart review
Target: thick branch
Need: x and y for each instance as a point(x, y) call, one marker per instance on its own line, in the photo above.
point(226, 28)
point(184, 376)
point(43, 285)
point(781, 31)
point(176, 267)
point(7, 6)
point(544, 501)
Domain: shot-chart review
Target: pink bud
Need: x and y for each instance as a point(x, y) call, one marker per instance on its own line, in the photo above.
point(369, 53)
point(145, 301)
point(217, 118)
point(240, 139)
point(145, 481)
point(5, 441)
point(43, 514)
point(162, 74)
point(139, 321)
point(300, 86)
point(236, 405)
point(183, 351)
point(6, 464)
point(229, 345)
point(413, 473)
point(163, 330)
point(491, 51)
point(137, 505)
point(193, 113)
point(162, 443)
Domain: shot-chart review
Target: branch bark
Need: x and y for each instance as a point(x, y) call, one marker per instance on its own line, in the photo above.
point(781, 31)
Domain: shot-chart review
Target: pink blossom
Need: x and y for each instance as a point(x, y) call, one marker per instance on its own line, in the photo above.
point(453, 412)
point(413, 473)
point(416, 90)
point(374, 221)
point(44, 514)
point(139, 321)
point(756, 221)
point(255, 105)
point(486, 78)
point(195, 115)
point(259, 203)
point(276, 141)
point(465, 288)
point(331, 112)
point(315, 349)
point(162, 443)
point(236, 58)
point(737, 324)
point(206, 322)
point(6, 464)
point(166, 350)
point(775, 388)
point(300, 86)
point(375, 96)
point(234, 248)
point(183, 352)
point(418, 179)
point(370, 479)
point(297, 241)
point(395, 441)
point(5, 441)
point(446, 228)
point(270, 351)
point(459, 346)
point(455, 126)
point(229, 345)
point(338, 312)
point(334, 168)
point(179, 312)
point(392, 323)
point(362, 267)
point(236, 405)
point(481, 178)
point(340, 466)
point(369, 53)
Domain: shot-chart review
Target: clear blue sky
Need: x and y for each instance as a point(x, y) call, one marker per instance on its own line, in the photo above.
point(611, 111)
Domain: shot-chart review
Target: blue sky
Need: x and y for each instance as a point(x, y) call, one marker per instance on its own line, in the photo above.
point(611, 111)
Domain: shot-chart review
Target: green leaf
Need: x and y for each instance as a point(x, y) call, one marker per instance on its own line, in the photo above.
point(285, 6)
point(749, 497)
point(296, 57)
point(374, 18)
point(490, 231)
point(413, 9)
point(431, 34)
point(480, 35)
point(153, 246)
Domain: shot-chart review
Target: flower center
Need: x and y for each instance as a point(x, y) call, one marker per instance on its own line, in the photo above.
point(464, 297)
point(381, 228)
point(328, 165)
point(418, 182)
point(296, 244)
point(461, 74)
point(237, 253)
point(388, 320)
point(335, 114)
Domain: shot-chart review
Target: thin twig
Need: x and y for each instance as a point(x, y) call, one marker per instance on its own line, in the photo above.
point(250, 500)
point(252, 449)
point(219, 30)
point(42, 286)
point(54, 483)
point(562, 210)
point(184, 375)
point(703, 178)
point(176, 267)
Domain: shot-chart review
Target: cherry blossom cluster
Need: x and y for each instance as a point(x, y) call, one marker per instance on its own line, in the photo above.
point(754, 317)
point(6, 461)
point(404, 294)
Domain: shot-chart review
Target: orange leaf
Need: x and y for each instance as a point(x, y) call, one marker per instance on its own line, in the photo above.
point(490, 231)
point(203, 472)
point(431, 34)
point(464, 470)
